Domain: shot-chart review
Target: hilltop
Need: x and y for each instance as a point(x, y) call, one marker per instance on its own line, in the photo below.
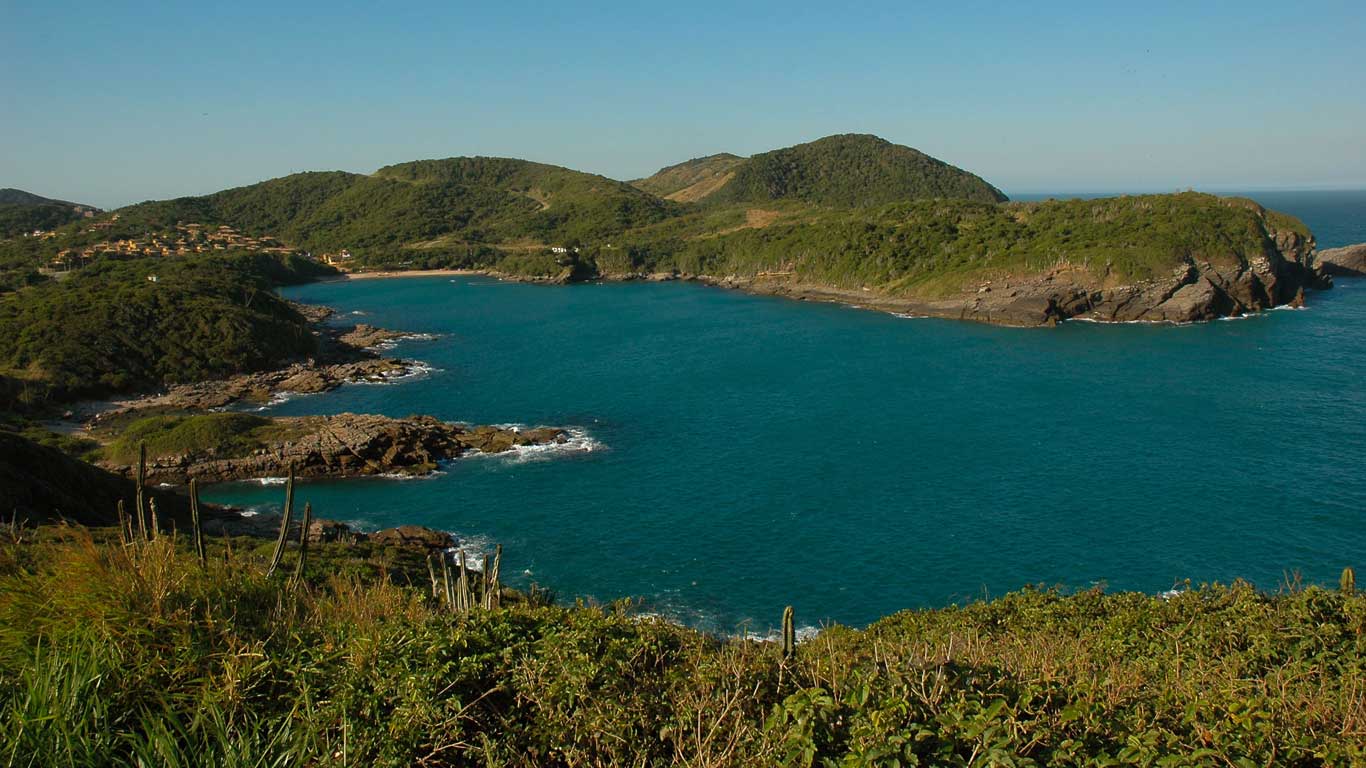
point(691, 180)
point(848, 170)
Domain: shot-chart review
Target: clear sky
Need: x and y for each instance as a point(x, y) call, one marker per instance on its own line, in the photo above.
point(111, 103)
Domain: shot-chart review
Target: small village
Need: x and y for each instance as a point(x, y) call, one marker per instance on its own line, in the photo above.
point(188, 238)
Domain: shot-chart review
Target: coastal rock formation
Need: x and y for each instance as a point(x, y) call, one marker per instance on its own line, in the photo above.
point(1195, 290)
point(300, 378)
point(413, 536)
point(346, 445)
point(364, 336)
point(1349, 261)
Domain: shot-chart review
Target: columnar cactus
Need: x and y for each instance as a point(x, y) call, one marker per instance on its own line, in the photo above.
point(303, 544)
point(789, 634)
point(284, 524)
point(197, 523)
point(1348, 582)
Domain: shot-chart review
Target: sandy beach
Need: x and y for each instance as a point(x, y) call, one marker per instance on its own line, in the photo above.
point(407, 273)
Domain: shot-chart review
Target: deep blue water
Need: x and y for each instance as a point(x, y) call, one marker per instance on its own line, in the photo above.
point(756, 452)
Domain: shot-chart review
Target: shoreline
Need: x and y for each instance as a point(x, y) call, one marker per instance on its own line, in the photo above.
point(1042, 301)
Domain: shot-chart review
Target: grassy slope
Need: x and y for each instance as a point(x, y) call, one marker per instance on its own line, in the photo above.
point(228, 435)
point(108, 656)
point(674, 181)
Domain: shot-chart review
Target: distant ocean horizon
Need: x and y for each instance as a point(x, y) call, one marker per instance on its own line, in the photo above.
point(740, 453)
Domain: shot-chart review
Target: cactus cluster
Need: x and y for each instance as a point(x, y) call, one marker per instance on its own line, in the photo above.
point(458, 591)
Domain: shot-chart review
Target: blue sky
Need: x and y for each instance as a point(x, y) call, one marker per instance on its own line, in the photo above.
point(112, 103)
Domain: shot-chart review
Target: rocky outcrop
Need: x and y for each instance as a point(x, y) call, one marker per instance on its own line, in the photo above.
point(364, 336)
point(1195, 290)
point(300, 378)
point(413, 536)
point(1349, 261)
point(347, 445)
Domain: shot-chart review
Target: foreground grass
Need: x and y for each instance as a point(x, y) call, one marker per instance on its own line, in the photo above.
point(123, 656)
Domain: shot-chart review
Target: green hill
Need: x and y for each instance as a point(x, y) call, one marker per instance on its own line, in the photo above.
point(849, 170)
point(109, 328)
point(456, 204)
point(22, 212)
point(692, 180)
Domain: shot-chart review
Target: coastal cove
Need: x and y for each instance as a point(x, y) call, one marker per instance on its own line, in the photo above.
point(950, 459)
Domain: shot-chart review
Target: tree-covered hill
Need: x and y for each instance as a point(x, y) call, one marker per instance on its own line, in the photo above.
point(457, 203)
point(929, 247)
point(849, 170)
point(111, 328)
point(22, 212)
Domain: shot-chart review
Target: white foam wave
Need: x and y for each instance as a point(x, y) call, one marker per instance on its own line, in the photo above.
point(271, 480)
point(405, 476)
point(475, 548)
point(414, 370)
point(910, 316)
point(394, 342)
point(578, 441)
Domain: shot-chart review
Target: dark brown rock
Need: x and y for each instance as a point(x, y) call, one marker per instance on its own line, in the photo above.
point(413, 536)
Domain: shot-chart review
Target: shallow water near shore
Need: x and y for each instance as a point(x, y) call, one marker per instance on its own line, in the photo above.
point(741, 453)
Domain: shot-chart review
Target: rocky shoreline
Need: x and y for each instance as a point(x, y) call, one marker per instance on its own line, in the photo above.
point(1193, 292)
point(344, 445)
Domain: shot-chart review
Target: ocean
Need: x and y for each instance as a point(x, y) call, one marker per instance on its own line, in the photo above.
point(736, 454)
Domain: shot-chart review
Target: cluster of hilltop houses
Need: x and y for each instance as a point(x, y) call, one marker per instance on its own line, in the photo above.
point(187, 239)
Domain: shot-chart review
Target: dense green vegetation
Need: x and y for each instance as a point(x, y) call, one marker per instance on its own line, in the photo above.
point(18, 219)
point(850, 170)
point(460, 203)
point(22, 212)
point(109, 328)
point(113, 655)
point(930, 247)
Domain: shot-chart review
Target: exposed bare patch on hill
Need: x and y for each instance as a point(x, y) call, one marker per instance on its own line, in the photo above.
point(701, 189)
point(691, 180)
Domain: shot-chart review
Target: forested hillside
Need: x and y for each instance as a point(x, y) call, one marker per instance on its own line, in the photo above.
point(111, 328)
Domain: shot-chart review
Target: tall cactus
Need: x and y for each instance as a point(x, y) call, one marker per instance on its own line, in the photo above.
point(431, 571)
point(140, 504)
point(303, 544)
point(1348, 582)
point(446, 577)
point(464, 599)
point(284, 524)
point(197, 523)
point(789, 634)
point(154, 526)
point(493, 597)
point(124, 525)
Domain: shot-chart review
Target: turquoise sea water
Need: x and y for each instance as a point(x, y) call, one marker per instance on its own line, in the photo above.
point(754, 452)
